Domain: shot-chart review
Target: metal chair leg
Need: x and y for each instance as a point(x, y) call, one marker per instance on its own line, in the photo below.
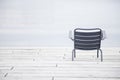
point(101, 55)
point(97, 53)
point(73, 55)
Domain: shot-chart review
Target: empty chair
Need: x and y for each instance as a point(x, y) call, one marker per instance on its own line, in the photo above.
point(87, 39)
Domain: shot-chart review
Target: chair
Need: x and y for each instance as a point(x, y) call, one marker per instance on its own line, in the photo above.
point(87, 39)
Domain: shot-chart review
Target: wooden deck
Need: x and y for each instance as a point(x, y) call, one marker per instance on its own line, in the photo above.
point(56, 64)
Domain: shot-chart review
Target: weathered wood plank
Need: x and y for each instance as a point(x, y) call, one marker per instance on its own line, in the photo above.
point(87, 79)
point(26, 78)
point(70, 74)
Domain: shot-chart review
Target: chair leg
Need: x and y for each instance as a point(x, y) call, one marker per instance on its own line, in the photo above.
point(73, 55)
point(101, 55)
point(97, 53)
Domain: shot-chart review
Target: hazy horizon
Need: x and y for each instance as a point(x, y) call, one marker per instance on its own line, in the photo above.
point(37, 23)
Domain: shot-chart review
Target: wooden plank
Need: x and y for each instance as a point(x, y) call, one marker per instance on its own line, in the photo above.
point(26, 78)
point(82, 74)
point(5, 67)
point(28, 64)
point(86, 78)
point(60, 63)
point(22, 69)
point(96, 66)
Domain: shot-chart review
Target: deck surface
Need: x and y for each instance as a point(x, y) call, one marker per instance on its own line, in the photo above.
point(56, 64)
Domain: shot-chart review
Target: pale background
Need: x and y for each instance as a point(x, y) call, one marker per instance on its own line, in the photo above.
point(46, 23)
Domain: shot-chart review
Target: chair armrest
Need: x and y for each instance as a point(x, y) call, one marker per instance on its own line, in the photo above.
point(103, 35)
point(70, 35)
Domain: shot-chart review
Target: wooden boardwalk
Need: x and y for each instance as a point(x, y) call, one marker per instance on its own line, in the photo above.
point(56, 64)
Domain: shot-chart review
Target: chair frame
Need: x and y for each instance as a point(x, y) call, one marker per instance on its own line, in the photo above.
point(98, 49)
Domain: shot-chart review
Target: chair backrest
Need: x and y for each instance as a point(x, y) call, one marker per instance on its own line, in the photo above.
point(87, 39)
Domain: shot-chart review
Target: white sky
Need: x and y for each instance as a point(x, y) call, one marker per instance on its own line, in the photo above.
point(47, 22)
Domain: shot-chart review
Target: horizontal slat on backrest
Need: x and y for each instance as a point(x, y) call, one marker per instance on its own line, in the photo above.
point(86, 48)
point(87, 45)
point(77, 43)
point(88, 33)
point(87, 37)
point(87, 41)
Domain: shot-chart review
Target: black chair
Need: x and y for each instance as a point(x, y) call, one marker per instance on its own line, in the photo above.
point(87, 39)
